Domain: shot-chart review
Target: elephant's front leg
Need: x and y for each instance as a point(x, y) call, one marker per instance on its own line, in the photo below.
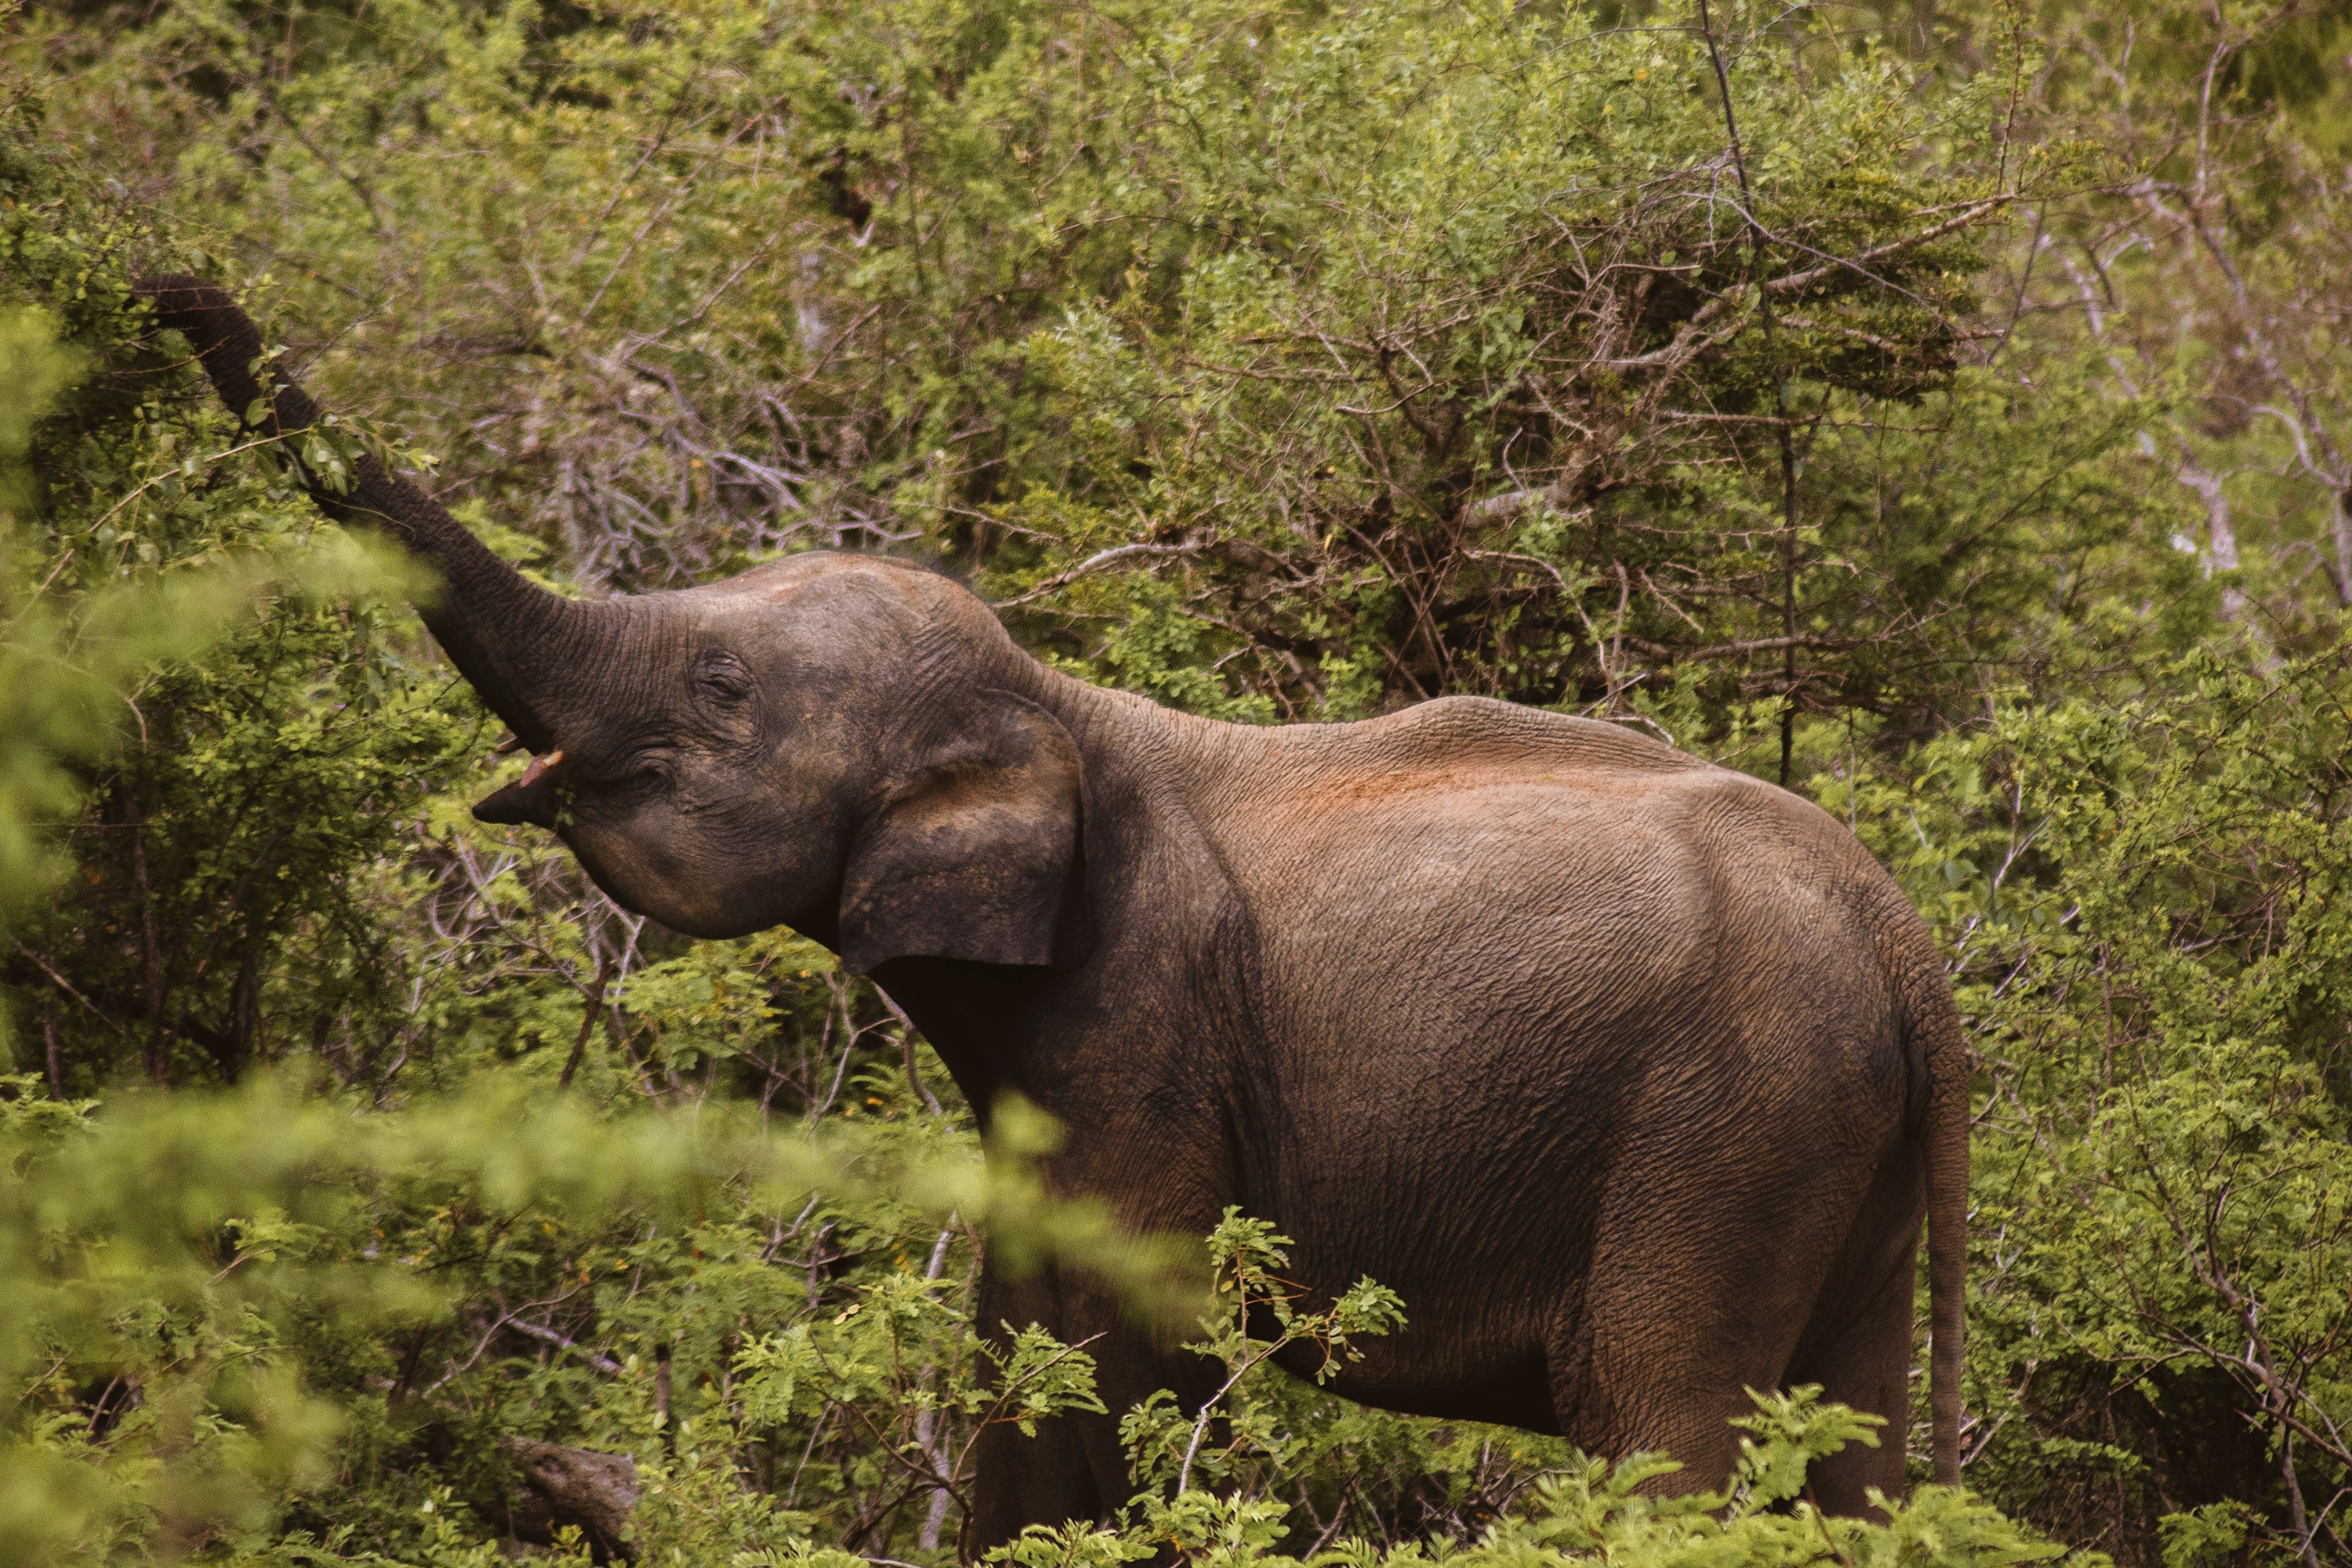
point(1073, 1467)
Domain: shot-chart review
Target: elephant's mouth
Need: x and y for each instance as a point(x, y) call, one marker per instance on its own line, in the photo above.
point(535, 798)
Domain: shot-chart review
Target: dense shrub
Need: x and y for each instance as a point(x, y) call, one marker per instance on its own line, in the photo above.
point(1943, 423)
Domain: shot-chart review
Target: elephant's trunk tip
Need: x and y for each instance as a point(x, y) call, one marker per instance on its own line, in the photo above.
point(498, 626)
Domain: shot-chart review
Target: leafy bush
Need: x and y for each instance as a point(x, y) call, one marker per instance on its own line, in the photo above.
point(207, 1297)
point(1954, 440)
point(2141, 897)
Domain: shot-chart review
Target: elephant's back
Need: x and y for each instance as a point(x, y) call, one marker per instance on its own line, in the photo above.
point(1523, 933)
point(1517, 841)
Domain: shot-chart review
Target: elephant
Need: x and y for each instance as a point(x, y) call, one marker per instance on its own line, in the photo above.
point(1633, 1075)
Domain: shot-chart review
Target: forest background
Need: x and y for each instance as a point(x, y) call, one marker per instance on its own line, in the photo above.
point(1936, 409)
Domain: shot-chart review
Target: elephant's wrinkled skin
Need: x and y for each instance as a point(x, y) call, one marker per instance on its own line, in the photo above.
point(1632, 1074)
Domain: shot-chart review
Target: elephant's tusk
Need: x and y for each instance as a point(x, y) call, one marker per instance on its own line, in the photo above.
point(538, 769)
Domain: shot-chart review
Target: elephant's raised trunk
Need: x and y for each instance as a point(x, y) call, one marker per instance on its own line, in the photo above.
point(511, 639)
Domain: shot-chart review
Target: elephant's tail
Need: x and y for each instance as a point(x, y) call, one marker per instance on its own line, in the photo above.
point(1945, 1054)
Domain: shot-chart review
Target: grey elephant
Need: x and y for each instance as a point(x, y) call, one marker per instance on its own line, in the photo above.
point(1632, 1074)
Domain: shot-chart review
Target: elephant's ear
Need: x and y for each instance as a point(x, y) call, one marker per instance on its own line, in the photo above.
point(977, 855)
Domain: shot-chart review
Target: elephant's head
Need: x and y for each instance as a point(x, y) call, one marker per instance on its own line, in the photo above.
point(842, 744)
point(831, 742)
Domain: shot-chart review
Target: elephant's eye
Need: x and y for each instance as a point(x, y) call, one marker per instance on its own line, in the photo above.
point(722, 675)
point(653, 767)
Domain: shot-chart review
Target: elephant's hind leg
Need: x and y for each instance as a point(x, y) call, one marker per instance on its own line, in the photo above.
point(1858, 1344)
point(1703, 1281)
point(1664, 1356)
point(1608, 1405)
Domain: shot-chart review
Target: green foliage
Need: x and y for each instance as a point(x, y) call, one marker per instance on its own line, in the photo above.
point(1170, 1447)
point(120, 562)
point(1594, 1510)
point(2142, 897)
point(1958, 444)
point(1400, 349)
point(189, 1278)
point(188, 1275)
